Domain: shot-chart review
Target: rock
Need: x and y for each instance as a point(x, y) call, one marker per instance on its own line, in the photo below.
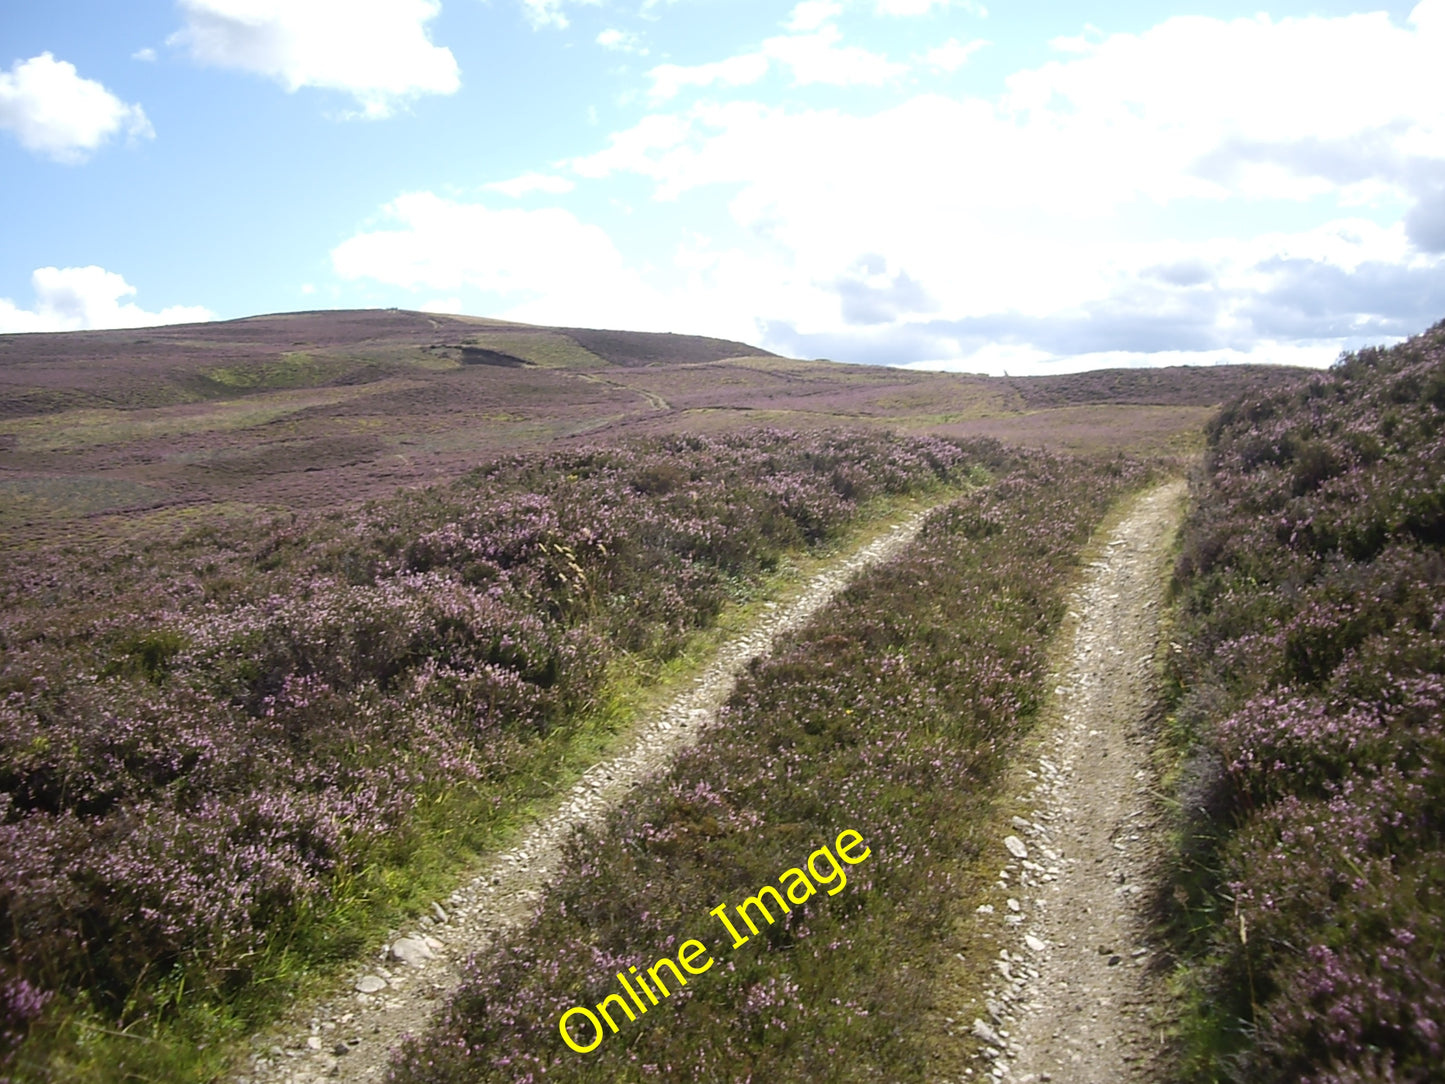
point(313, 1043)
point(438, 913)
point(370, 984)
point(1015, 846)
point(412, 951)
point(1020, 823)
point(1034, 944)
point(340, 1048)
point(986, 1033)
point(1014, 905)
point(433, 944)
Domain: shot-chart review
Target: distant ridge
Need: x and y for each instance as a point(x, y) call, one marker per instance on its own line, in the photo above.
point(326, 408)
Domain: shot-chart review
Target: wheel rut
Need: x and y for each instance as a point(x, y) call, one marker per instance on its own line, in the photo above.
point(1074, 996)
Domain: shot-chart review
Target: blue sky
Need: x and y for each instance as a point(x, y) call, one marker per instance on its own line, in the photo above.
point(1027, 187)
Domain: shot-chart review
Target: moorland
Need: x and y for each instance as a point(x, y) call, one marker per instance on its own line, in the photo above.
point(304, 613)
point(312, 409)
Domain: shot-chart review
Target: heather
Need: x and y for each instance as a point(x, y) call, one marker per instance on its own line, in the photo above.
point(1309, 893)
point(891, 714)
point(220, 752)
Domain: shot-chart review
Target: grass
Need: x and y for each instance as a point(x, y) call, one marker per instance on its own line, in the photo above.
point(79, 430)
point(549, 349)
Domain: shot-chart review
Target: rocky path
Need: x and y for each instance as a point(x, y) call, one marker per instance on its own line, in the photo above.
point(349, 1035)
point(1073, 990)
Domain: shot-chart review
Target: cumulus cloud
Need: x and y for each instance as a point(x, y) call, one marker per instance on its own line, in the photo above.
point(551, 13)
point(815, 57)
point(528, 183)
point(543, 264)
point(621, 41)
point(952, 54)
point(820, 58)
point(80, 298)
point(55, 112)
point(378, 51)
point(811, 14)
point(1056, 215)
point(668, 80)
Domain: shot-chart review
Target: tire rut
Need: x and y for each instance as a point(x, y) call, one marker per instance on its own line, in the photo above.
point(1074, 995)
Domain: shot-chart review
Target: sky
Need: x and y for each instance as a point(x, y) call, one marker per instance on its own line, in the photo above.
point(1019, 187)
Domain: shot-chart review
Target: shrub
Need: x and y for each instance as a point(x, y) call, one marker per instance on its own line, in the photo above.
point(1311, 869)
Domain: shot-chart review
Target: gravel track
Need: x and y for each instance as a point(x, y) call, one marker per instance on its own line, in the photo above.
point(349, 1034)
point(1074, 995)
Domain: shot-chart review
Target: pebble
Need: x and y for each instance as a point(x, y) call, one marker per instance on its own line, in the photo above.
point(412, 951)
point(370, 984)
point(1016, 846)
point(986, 1033)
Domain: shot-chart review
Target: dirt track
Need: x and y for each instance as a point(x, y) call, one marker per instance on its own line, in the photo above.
point(349, 1035)
point(1074, 992)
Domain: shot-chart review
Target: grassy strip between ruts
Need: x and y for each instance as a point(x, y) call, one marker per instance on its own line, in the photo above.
point(892, 715)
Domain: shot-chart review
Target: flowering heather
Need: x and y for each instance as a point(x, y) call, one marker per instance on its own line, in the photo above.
point(206, 743)
point(891, 713)
point(1311, 874)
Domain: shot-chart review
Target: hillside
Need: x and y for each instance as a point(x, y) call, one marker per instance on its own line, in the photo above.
point(1309, 877)
point(306, 616)
point(321, 408)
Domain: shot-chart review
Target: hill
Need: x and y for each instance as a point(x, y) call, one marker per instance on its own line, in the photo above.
point(323, 408)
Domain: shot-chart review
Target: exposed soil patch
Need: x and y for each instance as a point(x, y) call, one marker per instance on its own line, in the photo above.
point(350, 1034)
point(1074, 992)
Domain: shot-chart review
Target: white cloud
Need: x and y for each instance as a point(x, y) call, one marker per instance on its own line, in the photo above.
point(1056, 217)
point(545, 264)
point(542, 13)
point(668, 80)
point(1007, 360)
point(528, 183)
point(811, 14)
point(621, 41)
point(819, 58)
point(378, 51)
point(924, 7)
point(78, 298)
point(816, 57)
point(447, 306)
point(55, 112)
point(147, 54)
point(952, 54)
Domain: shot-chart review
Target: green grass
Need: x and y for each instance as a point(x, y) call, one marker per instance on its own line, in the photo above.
point(548, 349)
